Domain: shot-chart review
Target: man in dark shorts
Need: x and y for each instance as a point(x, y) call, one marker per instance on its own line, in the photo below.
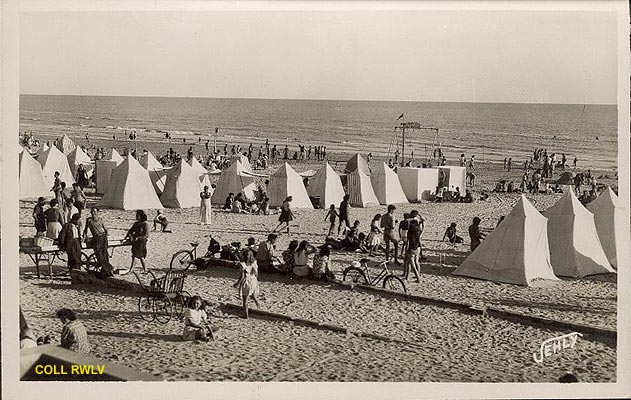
point(475, 234)
point(266, 253)
point(390, 234)
point(344, 215)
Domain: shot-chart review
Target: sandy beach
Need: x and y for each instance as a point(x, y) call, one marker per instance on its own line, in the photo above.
point(428, 343)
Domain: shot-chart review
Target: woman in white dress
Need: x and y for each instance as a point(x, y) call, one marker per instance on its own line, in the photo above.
point(204, 208)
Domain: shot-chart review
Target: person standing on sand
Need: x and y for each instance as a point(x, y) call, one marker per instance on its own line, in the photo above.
point(344, 215)
point(54, 220)
point(70, 241)
point(510, 164)
point(505, 160)
point(248, 283)
point(97, 228)
point(390, 234)
point(39, 216)
point(463, 160)
point(331, 216)
point(138, 234)
point(374, 239)
point(475, 234)
point(286, 216)
point(205, 207)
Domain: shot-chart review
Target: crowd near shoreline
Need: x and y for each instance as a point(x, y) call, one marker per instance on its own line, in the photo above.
point(320, 243)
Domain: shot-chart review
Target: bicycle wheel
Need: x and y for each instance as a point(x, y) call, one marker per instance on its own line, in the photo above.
point(146, 308)
point(394, 283)
point(355, 275)
point(164, 308)
point(181, 260)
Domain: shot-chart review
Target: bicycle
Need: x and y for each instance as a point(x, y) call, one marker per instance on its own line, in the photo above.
point(362, 276)
point(183, 259)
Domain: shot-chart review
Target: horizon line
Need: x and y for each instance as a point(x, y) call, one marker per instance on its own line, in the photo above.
point(315, 99)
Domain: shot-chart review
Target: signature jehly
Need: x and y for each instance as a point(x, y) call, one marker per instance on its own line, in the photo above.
point(556, 344)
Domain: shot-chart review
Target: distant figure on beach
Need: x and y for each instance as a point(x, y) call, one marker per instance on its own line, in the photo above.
point(331, 215)
point(286, 215)
point(74, 336)
point(509, 164)
point(471, 177)
point(161, 220)
point(138, 234)
point(463, 160)
point(472, 163)
point(248, 283)
point(54, 220)
point(505, 161)
point(450, 234)
point(82, 177)
point(205, 207)
point(95, 225)
point(344, 215)
point(575, 162)
point(474, 233)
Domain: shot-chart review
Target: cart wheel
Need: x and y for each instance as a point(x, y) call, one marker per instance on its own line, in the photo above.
point(163, 308)
point(394, 283)
point(146, 308)
point(179, 305)
point(92, 264)
point(355, 275)
point(182, 260)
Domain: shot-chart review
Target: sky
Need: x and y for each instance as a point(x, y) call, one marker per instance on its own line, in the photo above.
point(452, 56)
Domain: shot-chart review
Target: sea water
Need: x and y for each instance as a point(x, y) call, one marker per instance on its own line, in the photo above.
point(490, 131)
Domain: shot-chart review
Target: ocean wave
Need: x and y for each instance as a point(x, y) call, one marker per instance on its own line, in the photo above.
point(110, 127)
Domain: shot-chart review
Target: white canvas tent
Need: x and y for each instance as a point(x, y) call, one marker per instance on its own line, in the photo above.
point(182, 187)
point(609, 219)
point(113, 155)
point(575, 250)
point(245, 163)
point(157, 173)
point(104, 168)
point(327, 186)
point(130, 188)
point(455, 177)
point(418, 183)
point(360, 189)
point(32, 183)
point(65, 145)
point(197, 167)
point(77, 156)
point(53, 160)
point(386, 185)
point(514, 252)
point(286, 182)
point(233, 179)
point(355, 162)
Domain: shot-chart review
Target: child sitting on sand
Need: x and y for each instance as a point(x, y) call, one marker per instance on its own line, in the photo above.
point(74, 336)
point(196, 321)
point(161, 220)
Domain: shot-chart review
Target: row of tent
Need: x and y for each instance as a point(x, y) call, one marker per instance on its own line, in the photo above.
point(566, 240)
